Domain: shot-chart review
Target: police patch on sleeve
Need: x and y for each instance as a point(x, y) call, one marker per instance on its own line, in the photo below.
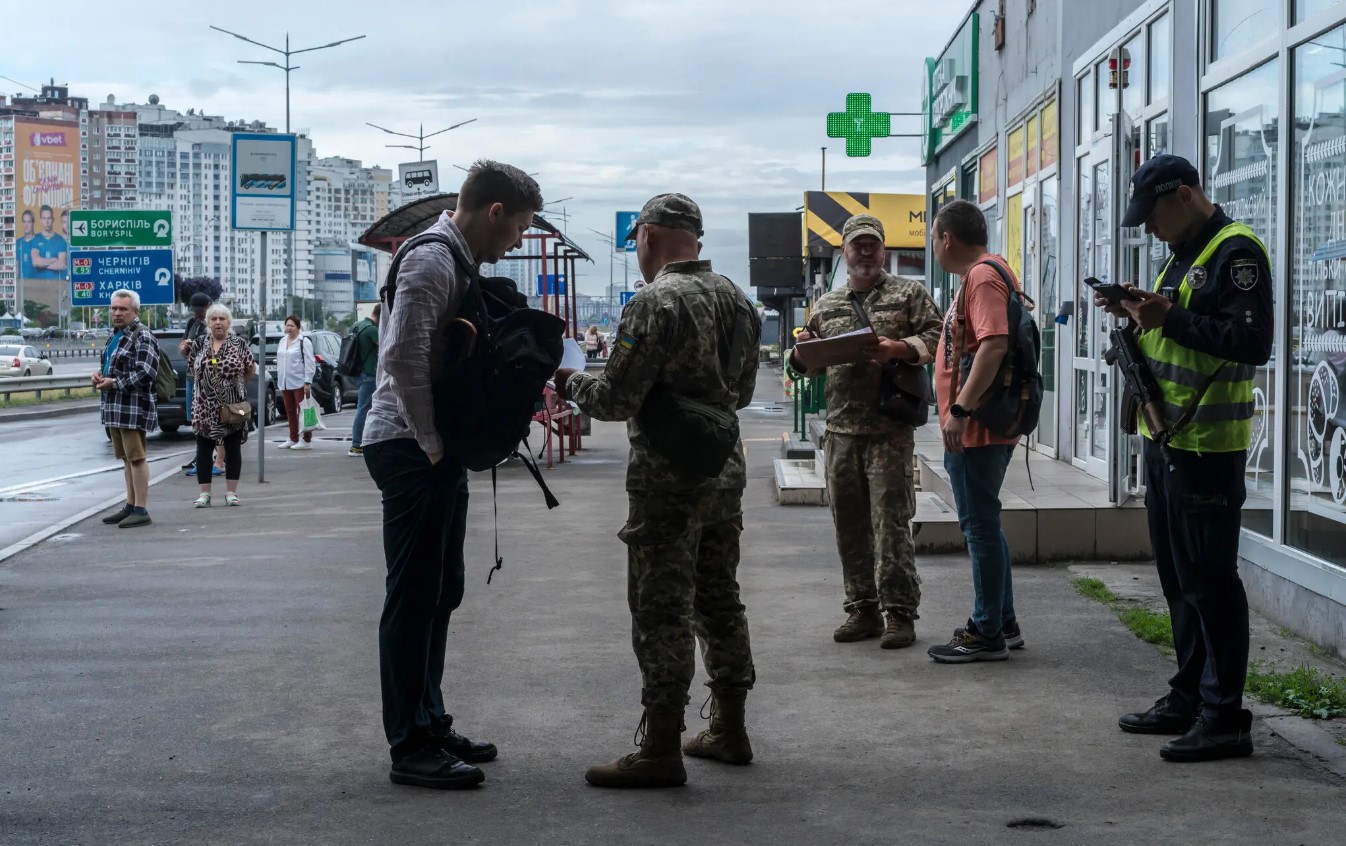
point(1245, 273)
point(1196, 278)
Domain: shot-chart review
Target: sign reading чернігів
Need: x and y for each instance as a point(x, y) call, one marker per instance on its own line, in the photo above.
point(96, 274)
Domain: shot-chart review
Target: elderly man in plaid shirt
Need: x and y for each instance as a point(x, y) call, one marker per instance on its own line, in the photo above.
point(126, 383)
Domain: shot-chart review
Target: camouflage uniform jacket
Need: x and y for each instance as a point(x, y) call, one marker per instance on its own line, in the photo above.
point(898, 309)
point(676, 331)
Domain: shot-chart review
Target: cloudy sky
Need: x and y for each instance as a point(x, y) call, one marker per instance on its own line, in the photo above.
point(609, 102)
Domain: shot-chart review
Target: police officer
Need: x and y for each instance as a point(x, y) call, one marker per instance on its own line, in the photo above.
point(1204, 329)
point(869, 455)
point(682, 532)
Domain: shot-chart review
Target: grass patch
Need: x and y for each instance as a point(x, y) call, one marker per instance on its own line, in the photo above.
point(1303, 690)
point(1095, 590)
point(1150, 626)
point(49, 396)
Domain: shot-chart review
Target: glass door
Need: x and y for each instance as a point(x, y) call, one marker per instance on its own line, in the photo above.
point(1092, 379)
point(1127, 475)
point(1048, 303)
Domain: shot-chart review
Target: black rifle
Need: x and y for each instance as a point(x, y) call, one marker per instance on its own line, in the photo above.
point(1142, 395)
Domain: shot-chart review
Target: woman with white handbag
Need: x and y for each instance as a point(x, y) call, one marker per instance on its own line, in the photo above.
point(220, 365)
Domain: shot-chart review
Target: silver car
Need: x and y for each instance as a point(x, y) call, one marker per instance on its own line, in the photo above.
point(23, 361)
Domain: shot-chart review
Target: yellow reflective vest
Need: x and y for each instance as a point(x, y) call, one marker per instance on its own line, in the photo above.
point(1223, 418)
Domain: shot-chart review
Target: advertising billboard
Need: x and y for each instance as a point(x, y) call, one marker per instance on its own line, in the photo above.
point(46, 188)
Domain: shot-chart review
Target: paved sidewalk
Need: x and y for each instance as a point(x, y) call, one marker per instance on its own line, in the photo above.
point(213, 680)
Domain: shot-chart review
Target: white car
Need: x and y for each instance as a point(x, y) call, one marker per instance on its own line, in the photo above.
point(23, 361)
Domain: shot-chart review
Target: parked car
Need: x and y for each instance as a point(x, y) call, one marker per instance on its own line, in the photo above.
point(332, 390)
point(23, 361)
point(173, 414)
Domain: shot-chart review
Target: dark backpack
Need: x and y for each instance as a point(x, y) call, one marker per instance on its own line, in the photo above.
point(1012, 405)
point(349, 362)
point(502, 353)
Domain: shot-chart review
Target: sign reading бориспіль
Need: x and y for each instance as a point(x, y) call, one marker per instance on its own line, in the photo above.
point(949, 98)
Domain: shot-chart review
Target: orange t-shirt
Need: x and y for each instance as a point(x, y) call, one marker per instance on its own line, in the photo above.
point(987, 316)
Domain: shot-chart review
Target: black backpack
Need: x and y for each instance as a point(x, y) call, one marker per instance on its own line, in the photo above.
point(502, 355)
point(349, 362)
point(1012, 405)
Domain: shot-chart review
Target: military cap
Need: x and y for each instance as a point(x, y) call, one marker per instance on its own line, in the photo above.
point(862, 224)
point(676, 211)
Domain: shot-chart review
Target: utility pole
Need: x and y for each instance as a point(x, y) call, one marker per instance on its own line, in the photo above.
point(420, 146)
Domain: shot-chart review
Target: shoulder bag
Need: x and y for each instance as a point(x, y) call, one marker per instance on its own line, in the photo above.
point(905, 392)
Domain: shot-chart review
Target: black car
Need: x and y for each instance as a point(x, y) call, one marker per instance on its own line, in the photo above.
point(332, 390)
point(173, 414)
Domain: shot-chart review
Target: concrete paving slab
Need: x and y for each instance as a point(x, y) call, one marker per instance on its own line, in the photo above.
point(213, 680)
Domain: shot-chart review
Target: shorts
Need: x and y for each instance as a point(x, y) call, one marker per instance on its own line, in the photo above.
point(128, 444)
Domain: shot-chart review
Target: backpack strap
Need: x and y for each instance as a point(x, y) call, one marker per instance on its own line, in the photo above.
point(960, 316)
point(389, 288)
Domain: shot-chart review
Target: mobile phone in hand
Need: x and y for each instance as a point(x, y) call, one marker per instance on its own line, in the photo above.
point(1112, 292)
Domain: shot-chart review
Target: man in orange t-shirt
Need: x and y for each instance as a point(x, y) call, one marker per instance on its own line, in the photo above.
point(976, 325)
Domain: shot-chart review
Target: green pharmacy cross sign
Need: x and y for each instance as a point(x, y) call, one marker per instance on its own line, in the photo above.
point(859, 124)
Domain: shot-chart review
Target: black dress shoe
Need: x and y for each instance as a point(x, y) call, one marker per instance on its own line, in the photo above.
point(471, 751)
point(1163, 718)
point(1213, 739)
point(433, 767)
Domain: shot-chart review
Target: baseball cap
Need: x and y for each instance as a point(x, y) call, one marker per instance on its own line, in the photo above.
point(1161, 175)
point(673, 210)
point(862, 224)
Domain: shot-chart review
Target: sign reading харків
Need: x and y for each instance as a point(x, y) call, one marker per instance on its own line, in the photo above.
point(263, 191)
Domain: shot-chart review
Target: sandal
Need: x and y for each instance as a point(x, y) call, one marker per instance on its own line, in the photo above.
point(231, 498)
point(202, 501)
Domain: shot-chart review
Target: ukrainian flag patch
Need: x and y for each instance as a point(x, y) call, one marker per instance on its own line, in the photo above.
point(627, 342)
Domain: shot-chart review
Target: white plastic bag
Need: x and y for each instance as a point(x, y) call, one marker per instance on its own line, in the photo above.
point(310, 417)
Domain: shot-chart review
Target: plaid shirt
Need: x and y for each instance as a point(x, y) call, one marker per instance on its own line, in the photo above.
point(134, 364)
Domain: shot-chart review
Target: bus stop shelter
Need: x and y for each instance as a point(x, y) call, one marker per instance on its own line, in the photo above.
point(544, 243)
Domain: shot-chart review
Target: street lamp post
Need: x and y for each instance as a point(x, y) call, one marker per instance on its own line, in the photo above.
point(420, 146)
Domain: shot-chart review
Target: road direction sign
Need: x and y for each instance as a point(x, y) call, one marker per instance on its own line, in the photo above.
point(626, 296)
point(625, 221)
point(555, 285)
point(95, 274)
point(96, 228)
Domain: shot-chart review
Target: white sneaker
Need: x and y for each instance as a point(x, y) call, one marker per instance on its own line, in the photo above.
point(285, 444)
point(302, 445)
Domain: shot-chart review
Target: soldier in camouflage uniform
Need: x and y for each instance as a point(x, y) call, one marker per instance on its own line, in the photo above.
point(869, 455)
point(682, 532)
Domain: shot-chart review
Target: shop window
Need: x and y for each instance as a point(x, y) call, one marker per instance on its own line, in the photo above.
point(1131, 76)
point(1105, 97)
point(1316, 521)
point(1305, 9)
point(1238, 24)
point(1160, 58)
point(1084, 109)
point(1241, 154)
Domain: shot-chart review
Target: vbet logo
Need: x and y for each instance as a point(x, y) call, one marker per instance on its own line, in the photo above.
point(82, 266)
point(47, 139)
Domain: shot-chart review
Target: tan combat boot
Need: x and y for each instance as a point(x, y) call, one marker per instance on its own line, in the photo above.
point(863, 623)
point(899, 633)
point(657, 764)
point(727, 738)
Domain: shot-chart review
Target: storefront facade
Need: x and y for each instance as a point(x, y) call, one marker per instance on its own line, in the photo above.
point(1254, 93)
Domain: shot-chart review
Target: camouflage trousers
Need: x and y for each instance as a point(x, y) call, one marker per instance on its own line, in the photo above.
point(873, 495)
point(682, 586)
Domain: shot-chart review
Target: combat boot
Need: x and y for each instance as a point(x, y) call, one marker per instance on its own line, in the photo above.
point(899, 633)
point(863, 623)
point(657, 764)
point(727, 738)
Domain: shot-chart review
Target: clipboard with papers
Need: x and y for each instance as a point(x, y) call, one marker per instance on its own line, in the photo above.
point(839, 349)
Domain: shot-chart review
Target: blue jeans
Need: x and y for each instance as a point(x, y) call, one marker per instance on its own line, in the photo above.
point(976, 475)
point(365, 384)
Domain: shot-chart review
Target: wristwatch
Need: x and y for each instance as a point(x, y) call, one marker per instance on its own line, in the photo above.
point(958, 411)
